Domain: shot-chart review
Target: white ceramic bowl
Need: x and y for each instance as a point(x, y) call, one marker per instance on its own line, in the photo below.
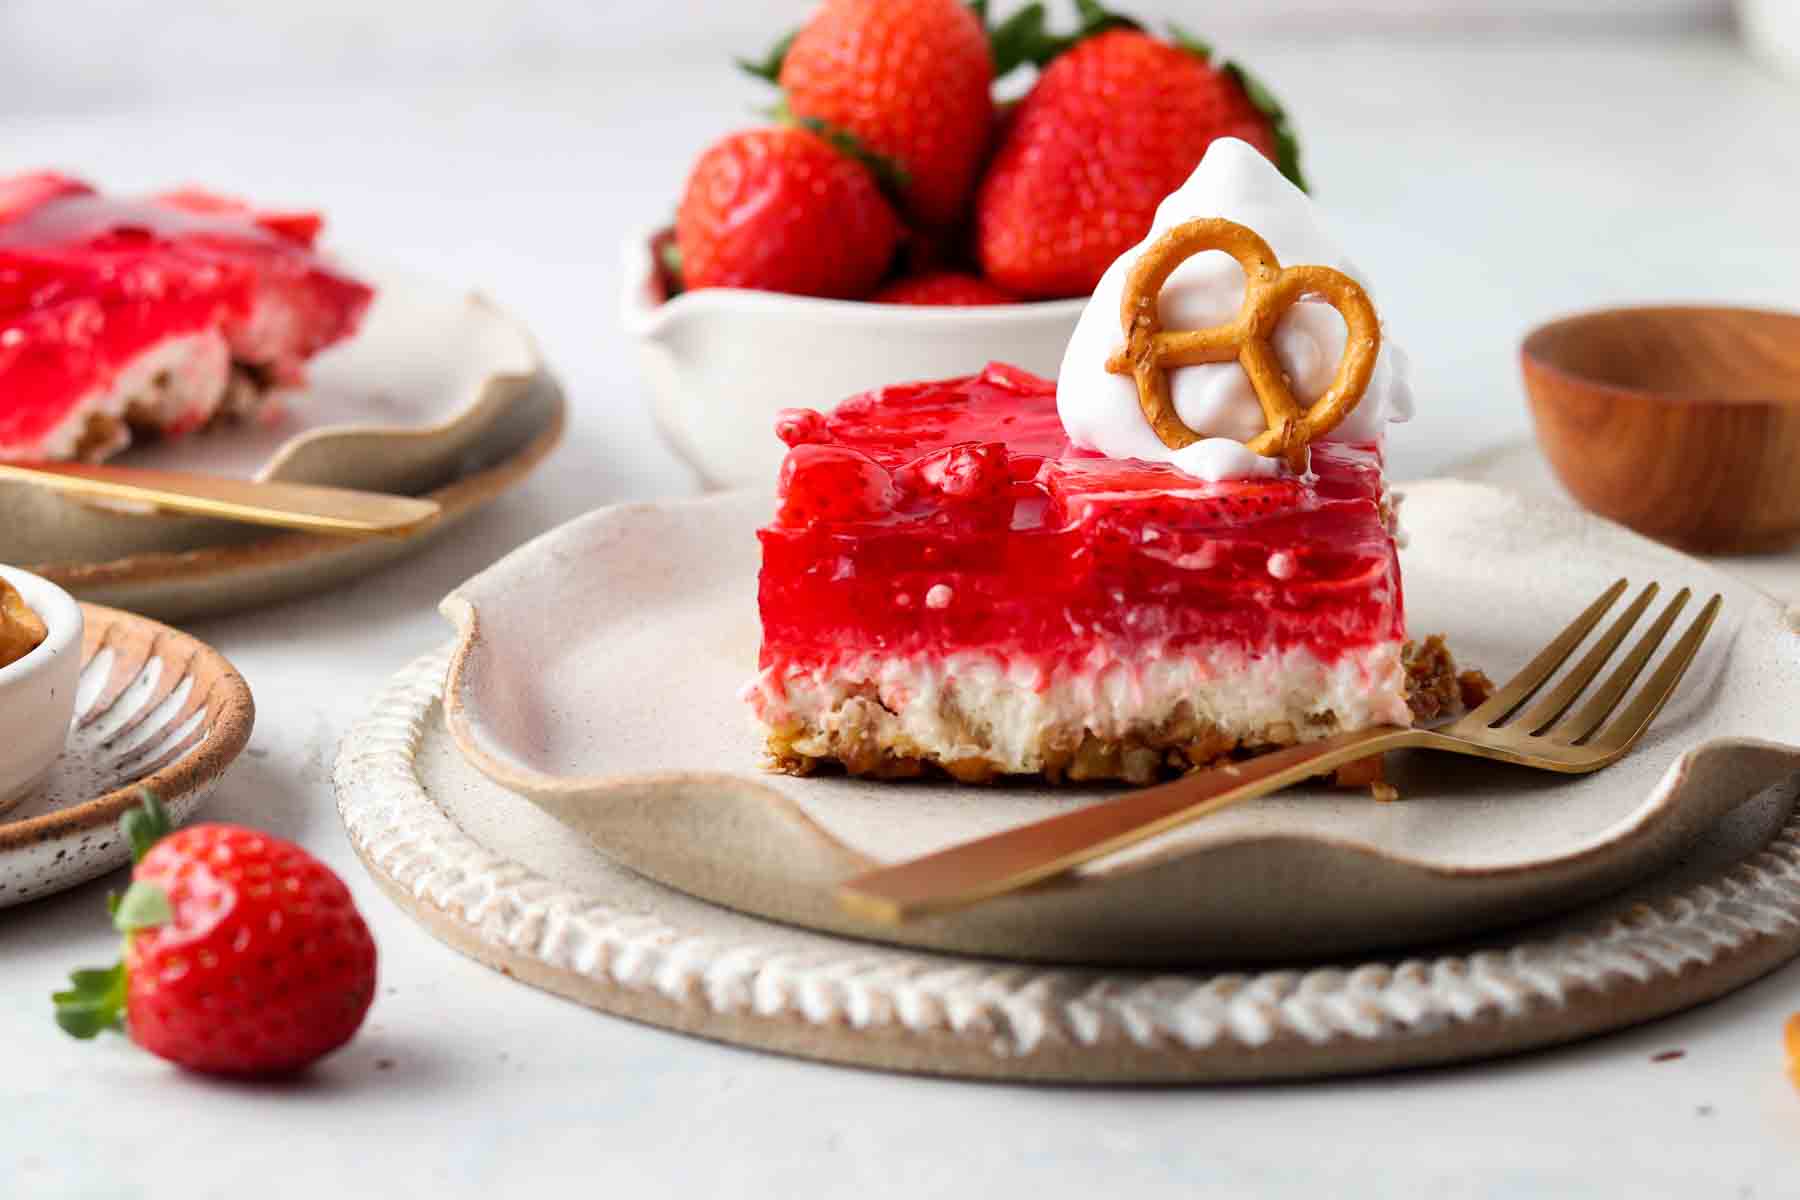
point(37, 693)
point(722, 362)
point(1771, 28)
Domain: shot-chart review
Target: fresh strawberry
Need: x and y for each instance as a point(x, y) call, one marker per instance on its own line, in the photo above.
point(909, 80)
point(244, 955)
point(954, 288)
point(1112, 126)
point(832, 483)
point(782, 210)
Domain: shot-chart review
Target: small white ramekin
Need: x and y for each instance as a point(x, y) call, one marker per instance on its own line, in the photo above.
point(37, 693)
point(721, 362)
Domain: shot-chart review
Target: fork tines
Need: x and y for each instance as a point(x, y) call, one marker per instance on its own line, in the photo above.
point(1514, 707)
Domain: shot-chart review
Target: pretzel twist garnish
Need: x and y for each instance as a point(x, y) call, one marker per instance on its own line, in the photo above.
point(1269, 291)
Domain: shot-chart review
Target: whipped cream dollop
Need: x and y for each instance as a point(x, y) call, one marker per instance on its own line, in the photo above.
point(1100, 410)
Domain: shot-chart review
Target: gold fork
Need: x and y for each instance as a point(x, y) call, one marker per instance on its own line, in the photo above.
point(341, 512)
point(1511, 726)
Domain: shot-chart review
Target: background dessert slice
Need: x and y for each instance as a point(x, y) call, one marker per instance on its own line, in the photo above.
point(152, 317)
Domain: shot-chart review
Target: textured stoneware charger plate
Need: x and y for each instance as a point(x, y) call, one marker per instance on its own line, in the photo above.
point(155, 708)
point(1520, 467)
point(501, 880)
point(626, 725)
point(440, 394)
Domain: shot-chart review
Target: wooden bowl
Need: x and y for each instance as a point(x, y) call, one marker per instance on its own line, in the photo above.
point(1682, 423)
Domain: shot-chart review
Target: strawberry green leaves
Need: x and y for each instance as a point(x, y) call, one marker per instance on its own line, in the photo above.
point(1194, 44)
point(1287, 143)
point(93, 1003)
point(1024, 38)
point(145, 825)
point(1021, 38)
point(769, 65)
point(889, 175)
point(95, 999)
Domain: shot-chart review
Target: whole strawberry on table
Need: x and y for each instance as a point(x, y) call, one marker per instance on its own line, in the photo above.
point(244, 954)
point(889, 173)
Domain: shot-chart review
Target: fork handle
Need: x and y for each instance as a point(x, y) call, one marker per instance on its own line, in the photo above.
point(311, 508)
point(1015, 858)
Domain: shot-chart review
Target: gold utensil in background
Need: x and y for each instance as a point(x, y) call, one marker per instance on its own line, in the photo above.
point(1510, 727)
point(338, 511)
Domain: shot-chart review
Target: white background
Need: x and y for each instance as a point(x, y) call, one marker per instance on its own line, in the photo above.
point(134, 49)
point(1485, 177)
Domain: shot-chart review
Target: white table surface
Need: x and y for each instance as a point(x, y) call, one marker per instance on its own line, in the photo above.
point(1485, 186)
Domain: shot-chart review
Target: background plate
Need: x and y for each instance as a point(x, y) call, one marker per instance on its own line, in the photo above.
point(1520, 467)
point(626, 724)
point(440, 394)
point(155, 708)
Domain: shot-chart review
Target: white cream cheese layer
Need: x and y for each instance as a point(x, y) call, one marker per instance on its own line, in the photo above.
point(1100, 410)
point(974, 705)
point(179, 382)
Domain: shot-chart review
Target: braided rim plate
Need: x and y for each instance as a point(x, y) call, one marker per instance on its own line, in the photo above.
point(155, 708)
point(501, 881)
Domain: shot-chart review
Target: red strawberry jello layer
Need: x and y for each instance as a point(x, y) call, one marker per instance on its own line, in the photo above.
point(948, 583)
point(151, 317)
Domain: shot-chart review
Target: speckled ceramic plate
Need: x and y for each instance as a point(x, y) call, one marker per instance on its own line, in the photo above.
point(440, 394)
point(504, 882)
point(599, 670)
point(155, 708)
point(1520, 467)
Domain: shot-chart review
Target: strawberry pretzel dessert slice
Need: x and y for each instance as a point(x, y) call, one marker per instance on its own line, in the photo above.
point(123, 319)
point(1179, 552)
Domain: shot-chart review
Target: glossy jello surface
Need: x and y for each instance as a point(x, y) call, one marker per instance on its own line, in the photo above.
point(937, 517)
point(88, 283)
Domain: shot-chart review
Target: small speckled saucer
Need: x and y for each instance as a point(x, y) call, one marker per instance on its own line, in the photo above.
point(155, 708)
